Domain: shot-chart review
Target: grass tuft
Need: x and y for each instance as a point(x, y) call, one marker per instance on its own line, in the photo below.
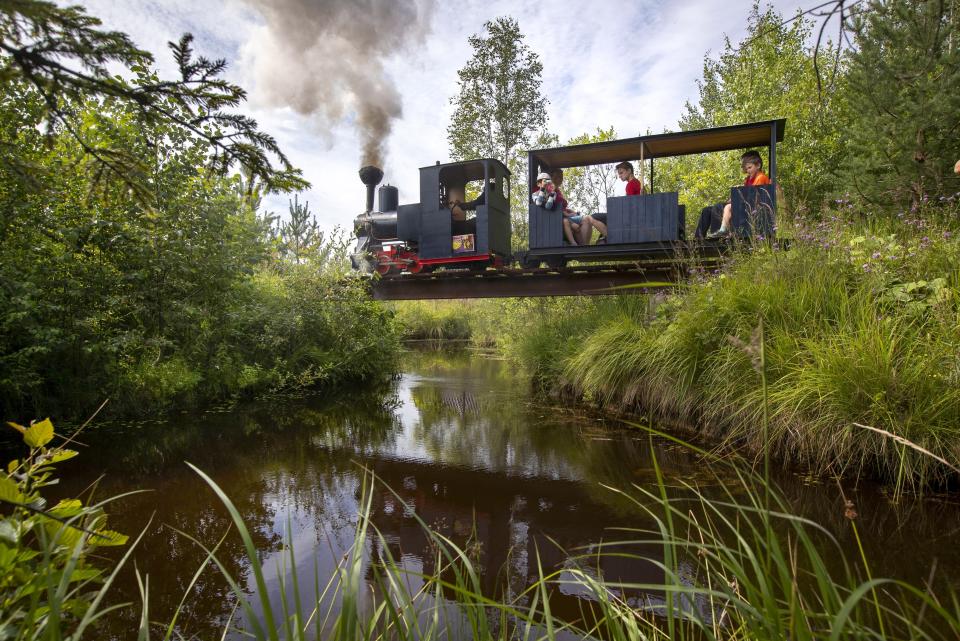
point(862, 329)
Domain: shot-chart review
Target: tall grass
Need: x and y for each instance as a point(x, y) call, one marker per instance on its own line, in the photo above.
point(861, 329)
point(433, 320)
point(737, 567)
point(734, 566)
point(484, 322)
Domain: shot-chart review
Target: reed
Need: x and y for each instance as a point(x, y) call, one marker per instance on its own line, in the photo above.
point(736, 567)
point(848, 342)
point(432, 320)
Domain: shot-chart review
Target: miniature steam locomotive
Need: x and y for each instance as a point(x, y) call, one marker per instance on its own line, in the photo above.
point(425, 235)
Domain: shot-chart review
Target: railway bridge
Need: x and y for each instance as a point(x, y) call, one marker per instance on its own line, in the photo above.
point(661, 267)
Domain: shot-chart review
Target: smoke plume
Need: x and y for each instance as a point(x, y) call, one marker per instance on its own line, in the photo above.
point(324, 58)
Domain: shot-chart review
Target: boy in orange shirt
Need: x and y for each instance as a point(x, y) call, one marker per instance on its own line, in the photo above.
point(752, 165)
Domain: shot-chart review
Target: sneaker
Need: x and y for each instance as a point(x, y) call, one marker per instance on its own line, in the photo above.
point(720, 233)
point(602, 240)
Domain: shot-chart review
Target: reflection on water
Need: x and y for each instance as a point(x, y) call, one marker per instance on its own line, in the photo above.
point(467, 450)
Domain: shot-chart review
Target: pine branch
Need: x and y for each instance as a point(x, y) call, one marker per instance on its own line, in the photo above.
point(64, 56)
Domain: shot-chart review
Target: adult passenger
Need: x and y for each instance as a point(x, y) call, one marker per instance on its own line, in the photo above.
point(456, 194)
point(575, 227)
point(459, 209)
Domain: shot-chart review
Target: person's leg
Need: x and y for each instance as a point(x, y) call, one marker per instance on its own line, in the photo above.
point(705, 223)
point(713, 217)
point(598, 224)
point(727, 217)
point(567, 231)
point(586, 231)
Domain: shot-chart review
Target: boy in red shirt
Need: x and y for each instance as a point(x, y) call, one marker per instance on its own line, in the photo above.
point(752, 165)
point(625, 173)
point(634, 188)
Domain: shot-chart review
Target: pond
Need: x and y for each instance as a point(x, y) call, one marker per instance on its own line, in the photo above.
point(466, 447)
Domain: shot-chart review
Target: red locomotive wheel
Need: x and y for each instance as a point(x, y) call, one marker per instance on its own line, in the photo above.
point(384, 265)
point(415, 266)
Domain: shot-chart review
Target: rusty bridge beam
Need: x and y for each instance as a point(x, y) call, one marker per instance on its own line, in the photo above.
point(521, 283)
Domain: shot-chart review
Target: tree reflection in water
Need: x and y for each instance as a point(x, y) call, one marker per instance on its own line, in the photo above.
point(462, 442)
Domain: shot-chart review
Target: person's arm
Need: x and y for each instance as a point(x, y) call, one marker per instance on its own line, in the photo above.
point(471, 205)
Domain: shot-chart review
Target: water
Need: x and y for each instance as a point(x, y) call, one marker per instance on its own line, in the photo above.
point(468, 449)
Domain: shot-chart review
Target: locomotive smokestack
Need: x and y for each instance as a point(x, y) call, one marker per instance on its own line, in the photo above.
point(371, 177)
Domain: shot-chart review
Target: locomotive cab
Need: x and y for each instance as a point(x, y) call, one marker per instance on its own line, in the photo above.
point(449, 226)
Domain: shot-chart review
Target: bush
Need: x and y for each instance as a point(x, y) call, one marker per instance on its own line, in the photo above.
point(862, 328)
point(49, 589)
point(433, 320)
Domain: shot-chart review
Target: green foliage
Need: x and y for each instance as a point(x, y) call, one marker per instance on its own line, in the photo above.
point(738, 567)
point(106, 297)
point(486, 322)
point(733, 562)
point(861, 329)
point(498, 105)
point(434, 320)
point(904, 89)
point(543, 334)
point(66, 59)
point(300, 234)
point(587, 188)
point(48, 589)
point(768, 75)
point(131, 266)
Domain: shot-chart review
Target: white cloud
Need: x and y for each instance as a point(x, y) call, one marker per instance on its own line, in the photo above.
point(630, 65)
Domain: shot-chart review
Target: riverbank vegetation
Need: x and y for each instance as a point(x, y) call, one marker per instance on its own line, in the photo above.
point(864, 331)
point(861, 323)
point(743, 570)
point(137, 262)
point(165, 283)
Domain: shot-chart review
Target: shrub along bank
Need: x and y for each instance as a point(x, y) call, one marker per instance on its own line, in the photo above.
point(482, 321)
point(860, 326)
point(188, 295)
point(282, 329)
point(279, 329)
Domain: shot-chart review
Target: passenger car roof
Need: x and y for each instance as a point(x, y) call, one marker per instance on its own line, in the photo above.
point(681, 143)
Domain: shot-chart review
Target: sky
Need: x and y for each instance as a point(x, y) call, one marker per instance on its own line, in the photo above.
point(630, 64)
